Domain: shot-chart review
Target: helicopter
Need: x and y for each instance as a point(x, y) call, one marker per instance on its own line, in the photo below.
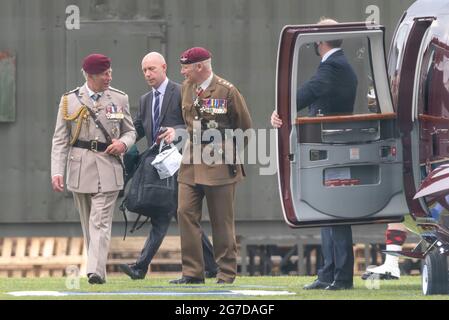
point(383, 162)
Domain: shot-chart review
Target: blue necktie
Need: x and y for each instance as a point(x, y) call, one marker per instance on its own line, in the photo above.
point(96, 96)
point(156, 114)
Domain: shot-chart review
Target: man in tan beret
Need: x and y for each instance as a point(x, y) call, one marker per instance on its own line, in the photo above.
point(93, 129)
point(208, 102)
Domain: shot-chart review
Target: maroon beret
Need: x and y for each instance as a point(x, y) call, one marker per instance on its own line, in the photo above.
point(96, 63)
point(193, 55)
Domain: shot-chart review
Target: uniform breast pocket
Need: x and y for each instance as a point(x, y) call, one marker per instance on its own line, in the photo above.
point(74, 171)
point(118, 174)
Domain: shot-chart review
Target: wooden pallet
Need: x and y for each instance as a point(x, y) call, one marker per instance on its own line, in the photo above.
point(167, 258)
point(361, 263)
point(49, 257)
point(40, 257)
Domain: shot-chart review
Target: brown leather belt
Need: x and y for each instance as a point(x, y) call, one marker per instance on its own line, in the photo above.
point(92, 145)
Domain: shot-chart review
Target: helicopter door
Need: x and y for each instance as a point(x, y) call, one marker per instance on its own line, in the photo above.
point(338, 168)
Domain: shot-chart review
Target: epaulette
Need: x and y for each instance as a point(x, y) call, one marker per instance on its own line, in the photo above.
point(225, 83)
point(73, 91)
point(117, 90)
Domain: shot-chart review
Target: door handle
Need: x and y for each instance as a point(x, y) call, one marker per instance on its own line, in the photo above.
point(335, 131)
point(439, 131)
point(369, 130)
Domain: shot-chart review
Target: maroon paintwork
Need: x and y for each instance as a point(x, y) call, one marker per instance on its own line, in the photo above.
point(433, 91)
point(404, 108)
point(285, 62)
point(425, 21)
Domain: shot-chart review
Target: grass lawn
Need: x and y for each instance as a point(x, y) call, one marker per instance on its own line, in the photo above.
point(407, 288)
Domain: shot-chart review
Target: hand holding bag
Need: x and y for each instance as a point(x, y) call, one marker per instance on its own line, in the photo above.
point(168, 161)
point(149, 195)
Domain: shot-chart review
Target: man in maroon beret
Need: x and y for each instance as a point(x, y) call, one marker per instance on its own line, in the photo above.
point(96, 63)
point(209, 103)
point(93, 129)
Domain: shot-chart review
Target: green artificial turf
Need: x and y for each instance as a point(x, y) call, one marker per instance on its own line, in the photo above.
point(407, 288)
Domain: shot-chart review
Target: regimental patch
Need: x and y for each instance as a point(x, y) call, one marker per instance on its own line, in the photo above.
point(115, 131)
point(212, 124)
point(114, 112)
point(214, 106)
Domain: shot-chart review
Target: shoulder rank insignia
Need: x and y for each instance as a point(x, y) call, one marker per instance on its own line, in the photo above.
point(73, 91)
point(117, 90)
point(225, 83)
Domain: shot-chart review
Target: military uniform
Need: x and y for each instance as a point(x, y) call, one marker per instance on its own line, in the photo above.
point(220, 106)
point(94, 177)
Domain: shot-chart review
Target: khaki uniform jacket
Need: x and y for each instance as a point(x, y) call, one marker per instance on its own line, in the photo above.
point(236, 117)
point(87, 170)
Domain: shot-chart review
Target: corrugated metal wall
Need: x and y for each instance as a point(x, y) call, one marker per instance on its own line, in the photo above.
point(242, 35)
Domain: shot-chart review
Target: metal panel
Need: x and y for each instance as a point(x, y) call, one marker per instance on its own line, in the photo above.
point(243, 38)
point(125, 42)
point(242, 35)
point(7, 87)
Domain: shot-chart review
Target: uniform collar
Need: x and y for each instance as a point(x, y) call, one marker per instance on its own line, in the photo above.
point(90, 92)
point(329, 53)
point(207, 83)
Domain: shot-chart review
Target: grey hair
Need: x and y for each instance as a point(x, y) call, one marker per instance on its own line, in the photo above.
point(207, 64)
point(84, 73)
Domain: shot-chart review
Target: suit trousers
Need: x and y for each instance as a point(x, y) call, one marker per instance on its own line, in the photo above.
point(336, 243)
point(220, 203)
point(159, 227)
point(96, 213)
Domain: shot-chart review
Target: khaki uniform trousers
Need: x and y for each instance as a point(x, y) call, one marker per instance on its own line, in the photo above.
point(96, 213)
point(220, 203)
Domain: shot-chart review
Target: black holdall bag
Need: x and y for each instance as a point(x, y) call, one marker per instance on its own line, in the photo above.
point(148, 195)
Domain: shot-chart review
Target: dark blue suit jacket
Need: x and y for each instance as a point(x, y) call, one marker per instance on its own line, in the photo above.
point(332, 89)
point(171, 112)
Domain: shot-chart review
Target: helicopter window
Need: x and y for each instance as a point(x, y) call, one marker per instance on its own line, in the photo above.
point(428, 80)
point(395, 61)
point(358, 54)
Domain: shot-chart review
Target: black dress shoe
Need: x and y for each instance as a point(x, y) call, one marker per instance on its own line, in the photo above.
point(187, 280)
point(95, 279)
point(132, 272)
point(221, 281)
point(210, 274)
point(317, 284)
point(339, 286)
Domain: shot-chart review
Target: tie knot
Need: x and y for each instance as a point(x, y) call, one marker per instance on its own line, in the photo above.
point(156, 93)
point(199, 91)
point(96, 96)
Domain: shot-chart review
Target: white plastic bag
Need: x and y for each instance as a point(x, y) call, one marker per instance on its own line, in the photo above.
point(167, 162)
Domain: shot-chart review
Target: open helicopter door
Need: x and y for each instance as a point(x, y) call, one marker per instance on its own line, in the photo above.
point(338, 169)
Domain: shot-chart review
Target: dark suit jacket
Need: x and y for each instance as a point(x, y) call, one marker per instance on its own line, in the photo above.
point(332, 89)
point(171, 112)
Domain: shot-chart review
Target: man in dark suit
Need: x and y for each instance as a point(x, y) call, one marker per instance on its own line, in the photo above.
point(161, 107)
point(331, 90)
